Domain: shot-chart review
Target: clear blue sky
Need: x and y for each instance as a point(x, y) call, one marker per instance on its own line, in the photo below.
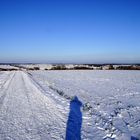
point(70, 31)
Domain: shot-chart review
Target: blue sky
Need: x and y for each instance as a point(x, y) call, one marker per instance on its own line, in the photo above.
point(70, 31)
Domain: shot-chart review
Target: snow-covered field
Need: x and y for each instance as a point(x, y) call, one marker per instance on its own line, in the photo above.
point(8, 67)
point(71, 105)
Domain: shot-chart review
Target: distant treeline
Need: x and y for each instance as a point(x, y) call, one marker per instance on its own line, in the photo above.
point(76, 67)
point(95, 67)
point(8, 69)
point(128, 68)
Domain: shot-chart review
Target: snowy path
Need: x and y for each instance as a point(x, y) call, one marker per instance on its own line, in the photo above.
point(26, 113)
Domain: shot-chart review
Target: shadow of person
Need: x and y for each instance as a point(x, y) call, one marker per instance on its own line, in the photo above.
point(74, 123)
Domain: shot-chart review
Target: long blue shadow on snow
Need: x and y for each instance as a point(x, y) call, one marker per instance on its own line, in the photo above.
point(74, 123)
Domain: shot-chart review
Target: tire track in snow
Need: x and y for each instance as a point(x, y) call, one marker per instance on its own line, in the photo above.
point(4, 77)
point(61, 104)
point(28, 114)
point(26, 78)
point(56, 90)
point(51, 93)
point(6, 84)
point(30, 101)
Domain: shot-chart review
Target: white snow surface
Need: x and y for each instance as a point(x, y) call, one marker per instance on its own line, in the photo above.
point(41, 66)
point(26, 113)
point(36, 105)
point(113, 95)
point(8, 67)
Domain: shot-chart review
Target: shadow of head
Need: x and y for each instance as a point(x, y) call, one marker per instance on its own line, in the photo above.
point(74, 123)
point(134, 138)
